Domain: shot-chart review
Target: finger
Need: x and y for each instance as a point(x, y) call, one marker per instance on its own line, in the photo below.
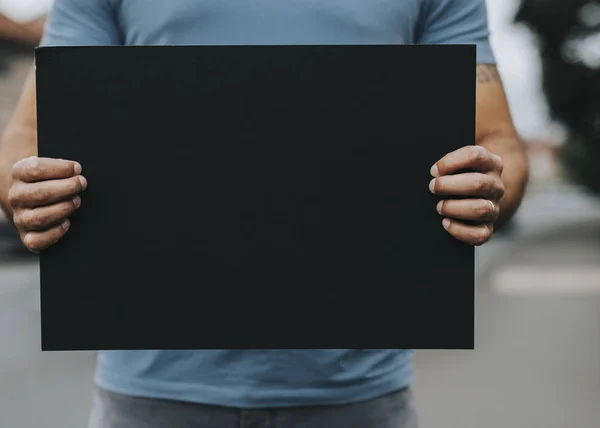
point(482, 210)
point(40, 240)
point(470, 234)
point(32, 195)
point(33, 169)
point(45, 216)
point(476, 158)
point(468, 184)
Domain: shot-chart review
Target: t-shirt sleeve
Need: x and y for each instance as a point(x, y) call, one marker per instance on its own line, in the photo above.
point(81, 23)
point(458, 22)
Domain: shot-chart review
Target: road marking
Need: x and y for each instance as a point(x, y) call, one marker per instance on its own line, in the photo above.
point(546, 280)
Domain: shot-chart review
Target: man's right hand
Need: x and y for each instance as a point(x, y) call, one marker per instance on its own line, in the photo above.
point(44, 193)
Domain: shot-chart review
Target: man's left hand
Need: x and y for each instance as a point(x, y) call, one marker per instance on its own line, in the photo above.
point(470, 200)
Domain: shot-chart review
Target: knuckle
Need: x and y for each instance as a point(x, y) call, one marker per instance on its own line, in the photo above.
point(14, 196)
point(478, 241)
point(18, 219)
point(33, 168)
point(500, 190)
point(475, 154)
point(16, 169)
point(20, 167)
point(482, 236)
point(482, 184)
point(483, 209)
point(32, 242)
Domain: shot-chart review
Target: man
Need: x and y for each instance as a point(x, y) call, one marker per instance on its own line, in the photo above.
point(267, 388)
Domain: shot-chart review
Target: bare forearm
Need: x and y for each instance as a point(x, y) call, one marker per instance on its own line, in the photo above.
point(19, 140)
point(15, 145)
point(495, 131)
point(515, 174)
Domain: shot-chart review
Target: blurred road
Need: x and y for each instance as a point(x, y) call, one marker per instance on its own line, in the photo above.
point(537, 357)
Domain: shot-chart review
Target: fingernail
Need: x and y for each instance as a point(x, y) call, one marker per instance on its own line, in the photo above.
point(83, 182)
point(77, 168)
point(434, 171)
point(439, 207)
point(66, 224)
point(77, 201)
point(432, 186)
point(446, 223)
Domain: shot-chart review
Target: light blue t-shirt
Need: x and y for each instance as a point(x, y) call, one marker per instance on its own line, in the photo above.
point(263, 378)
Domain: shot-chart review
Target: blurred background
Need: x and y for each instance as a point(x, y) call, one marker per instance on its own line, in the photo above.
point(537, 357)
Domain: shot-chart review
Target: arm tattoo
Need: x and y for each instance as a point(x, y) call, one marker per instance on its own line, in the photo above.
point(487, 73)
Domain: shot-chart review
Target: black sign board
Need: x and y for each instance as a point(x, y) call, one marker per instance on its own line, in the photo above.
point(256, 197)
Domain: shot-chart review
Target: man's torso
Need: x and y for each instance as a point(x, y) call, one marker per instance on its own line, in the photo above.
point(263, 378)
point(158, 22)
point(257, 378)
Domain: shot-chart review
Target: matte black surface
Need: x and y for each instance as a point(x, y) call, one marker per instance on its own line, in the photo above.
point(256, 197)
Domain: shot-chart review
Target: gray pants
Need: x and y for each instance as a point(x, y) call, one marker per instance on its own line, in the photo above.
point(112, 410)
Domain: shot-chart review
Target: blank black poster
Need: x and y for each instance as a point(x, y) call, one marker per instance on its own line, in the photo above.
point(256, 197)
